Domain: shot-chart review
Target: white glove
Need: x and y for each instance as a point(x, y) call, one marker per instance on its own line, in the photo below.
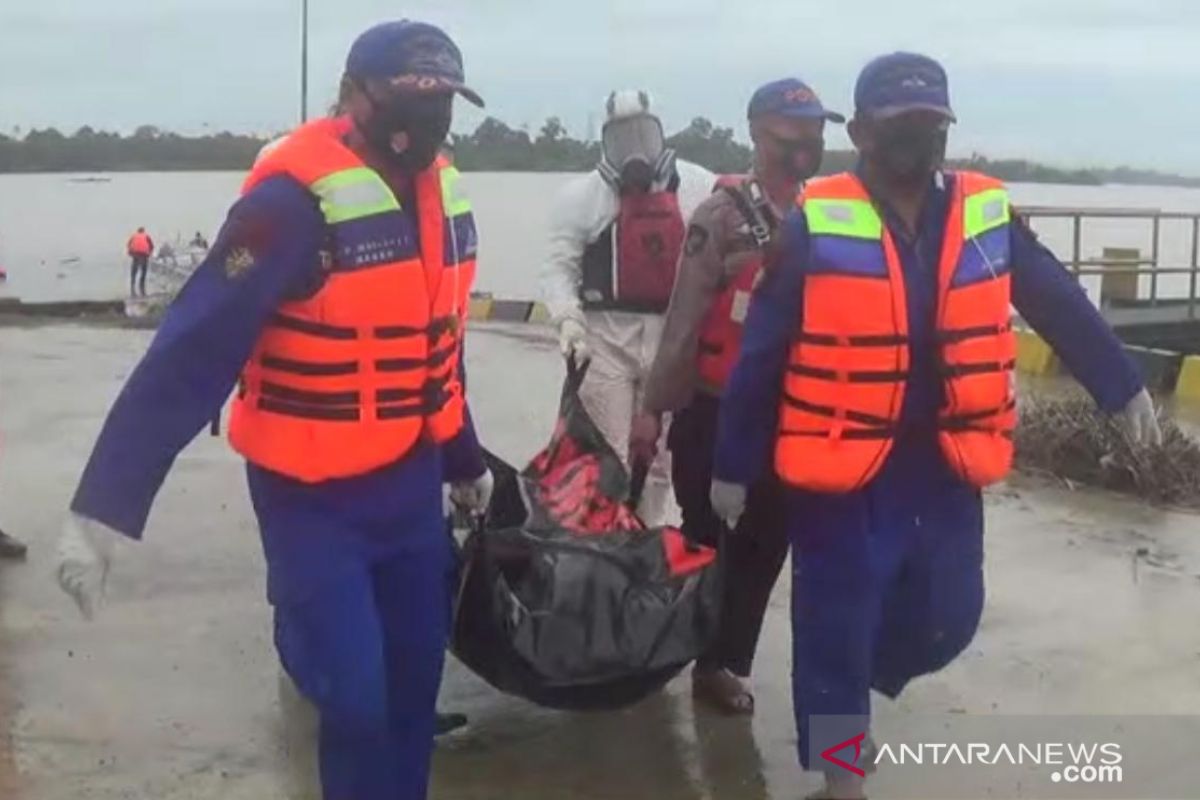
point(572, 340)
point(84, 556)
point(1140, 421)
point(473, 497)
point(728, 501)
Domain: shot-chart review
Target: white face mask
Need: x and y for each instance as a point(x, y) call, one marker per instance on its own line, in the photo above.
point(633, 138)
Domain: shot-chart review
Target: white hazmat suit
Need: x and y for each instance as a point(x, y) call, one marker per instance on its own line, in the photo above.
point(620, 344)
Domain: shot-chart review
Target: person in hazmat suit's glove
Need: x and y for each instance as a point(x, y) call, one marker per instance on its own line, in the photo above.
point(615, 238)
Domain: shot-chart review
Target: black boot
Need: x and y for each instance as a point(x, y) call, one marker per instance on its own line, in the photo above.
point(11, 548)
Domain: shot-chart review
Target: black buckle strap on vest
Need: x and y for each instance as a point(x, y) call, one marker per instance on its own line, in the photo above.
point(966, 422)
point(431, 398)
point(977, 368)
point(312, 369)
point(874, 434)
point(441, 325)
point(956, 335)
point(307, 397)
point(850, 376)
point(398, 332)
point(756, 210)
point(327, 414)
point(318, 329)
point(882, 423)
point(711, 348)
point(435, 359)
point(863, 340)
point(436, 327)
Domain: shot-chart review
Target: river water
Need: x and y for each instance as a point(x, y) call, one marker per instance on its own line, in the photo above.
point(63, 236)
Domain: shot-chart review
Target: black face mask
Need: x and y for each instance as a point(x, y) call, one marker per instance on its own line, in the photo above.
point(637, 176)
point(799, 159)
point(909, 154)
point(426, 121)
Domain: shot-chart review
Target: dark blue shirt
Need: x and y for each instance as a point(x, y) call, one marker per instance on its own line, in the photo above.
point(1044, 293)
point(190, 369)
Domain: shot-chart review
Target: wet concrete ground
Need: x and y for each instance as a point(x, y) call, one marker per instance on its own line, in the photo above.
point(175, 692)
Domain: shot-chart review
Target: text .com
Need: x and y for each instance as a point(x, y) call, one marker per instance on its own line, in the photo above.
point(1089, 773)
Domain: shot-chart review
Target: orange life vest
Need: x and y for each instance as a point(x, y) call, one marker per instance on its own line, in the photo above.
point(351, 378)
point(139, 244)
point(845, 383)
point(721, 329)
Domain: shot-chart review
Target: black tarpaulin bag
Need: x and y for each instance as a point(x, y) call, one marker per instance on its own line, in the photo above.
point(566, 598)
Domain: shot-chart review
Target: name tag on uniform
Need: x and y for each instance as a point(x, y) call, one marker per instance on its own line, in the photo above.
point(741, 305)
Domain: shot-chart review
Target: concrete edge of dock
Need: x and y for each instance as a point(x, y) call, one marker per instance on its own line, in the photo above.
point(1164, 371)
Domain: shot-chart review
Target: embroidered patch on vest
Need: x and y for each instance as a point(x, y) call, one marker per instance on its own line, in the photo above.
point(239, 260)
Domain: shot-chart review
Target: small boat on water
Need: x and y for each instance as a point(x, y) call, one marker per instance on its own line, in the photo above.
point(90, 179)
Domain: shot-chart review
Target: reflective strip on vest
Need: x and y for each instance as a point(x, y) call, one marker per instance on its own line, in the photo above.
point(352, 194)
point(984, 212)
point(854, 218)
point(453, 203)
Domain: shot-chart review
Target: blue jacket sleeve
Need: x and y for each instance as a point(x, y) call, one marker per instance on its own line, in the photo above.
point(1051, 301)
point(462, 457)
point(267, 249)
point(750, 405)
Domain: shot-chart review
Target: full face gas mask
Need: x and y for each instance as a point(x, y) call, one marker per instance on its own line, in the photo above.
point(635, 155)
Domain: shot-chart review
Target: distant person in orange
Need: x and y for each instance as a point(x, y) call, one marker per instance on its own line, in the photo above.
point(140, 247)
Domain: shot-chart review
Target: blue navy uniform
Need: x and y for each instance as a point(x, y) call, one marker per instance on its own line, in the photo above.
point(887, 581)
point(359, 569)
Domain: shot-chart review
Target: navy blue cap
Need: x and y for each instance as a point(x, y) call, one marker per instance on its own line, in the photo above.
point(901, 82)
point(412, 56)
point(789, 97)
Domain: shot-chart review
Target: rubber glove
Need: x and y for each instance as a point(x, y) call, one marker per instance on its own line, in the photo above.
point(84, 556)
point(643, 437)
point(472, 497)
point(572, 340)
point(1140, 421)
point(728, 501)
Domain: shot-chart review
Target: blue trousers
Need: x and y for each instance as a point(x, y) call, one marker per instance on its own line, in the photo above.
point(887, 585)
point(360, 572)
point(367, 650)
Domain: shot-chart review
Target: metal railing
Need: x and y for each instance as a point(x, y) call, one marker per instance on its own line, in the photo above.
point(1141, 266)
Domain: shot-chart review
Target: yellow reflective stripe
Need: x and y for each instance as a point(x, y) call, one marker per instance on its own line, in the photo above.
point(353, 193)
point(453, 203)
point(856, 218)
point(985, 211)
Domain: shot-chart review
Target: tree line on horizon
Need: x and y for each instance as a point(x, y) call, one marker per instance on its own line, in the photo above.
point(492, 146)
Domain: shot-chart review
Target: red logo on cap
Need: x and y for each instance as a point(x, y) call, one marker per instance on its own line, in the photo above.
point(800, 94)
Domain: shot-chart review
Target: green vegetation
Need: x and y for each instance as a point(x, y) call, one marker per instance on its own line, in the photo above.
point(493, 146)
point(148, 149)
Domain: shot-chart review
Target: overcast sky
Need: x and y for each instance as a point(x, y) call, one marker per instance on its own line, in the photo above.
point(1072, 82)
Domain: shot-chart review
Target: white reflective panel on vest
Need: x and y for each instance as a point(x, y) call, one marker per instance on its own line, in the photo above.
point(993, 210)
point(837, 213)
point(741, 306)
point(359, 193)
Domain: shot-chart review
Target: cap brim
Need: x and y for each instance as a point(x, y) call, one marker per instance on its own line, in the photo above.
point(888, 112)
point(430, 85)
point(470, 95)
